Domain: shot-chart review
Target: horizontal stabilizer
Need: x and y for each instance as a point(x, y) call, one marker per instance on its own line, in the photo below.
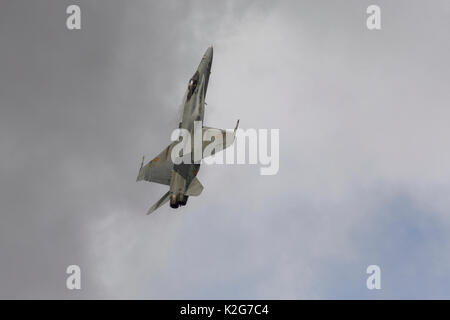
point(160, 202)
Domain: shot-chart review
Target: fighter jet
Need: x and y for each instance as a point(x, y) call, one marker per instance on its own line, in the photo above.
point(181, 178)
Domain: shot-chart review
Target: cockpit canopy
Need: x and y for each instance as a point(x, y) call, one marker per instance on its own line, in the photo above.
point(193, 84)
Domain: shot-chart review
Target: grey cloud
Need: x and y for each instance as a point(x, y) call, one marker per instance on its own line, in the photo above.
point(362, 118)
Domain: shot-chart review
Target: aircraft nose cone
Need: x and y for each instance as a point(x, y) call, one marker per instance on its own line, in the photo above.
point(209, 53)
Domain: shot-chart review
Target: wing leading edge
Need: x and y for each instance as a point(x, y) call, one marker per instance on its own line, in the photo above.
point(159, 169)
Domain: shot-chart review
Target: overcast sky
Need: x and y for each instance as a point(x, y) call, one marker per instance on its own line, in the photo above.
point(364, 149)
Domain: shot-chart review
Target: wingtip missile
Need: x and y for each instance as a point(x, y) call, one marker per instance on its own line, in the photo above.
point(138, 178)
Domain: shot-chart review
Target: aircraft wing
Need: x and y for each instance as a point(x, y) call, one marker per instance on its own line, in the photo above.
point(159, 169)
point(219, 139)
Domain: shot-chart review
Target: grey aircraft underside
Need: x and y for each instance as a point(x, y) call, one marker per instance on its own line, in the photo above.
point(181, 178)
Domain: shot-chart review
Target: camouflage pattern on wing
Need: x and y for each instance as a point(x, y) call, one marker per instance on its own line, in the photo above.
point(217, 140)
point(158, 170)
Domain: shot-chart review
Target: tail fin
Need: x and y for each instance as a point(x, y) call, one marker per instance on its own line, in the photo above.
point(160, 202)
